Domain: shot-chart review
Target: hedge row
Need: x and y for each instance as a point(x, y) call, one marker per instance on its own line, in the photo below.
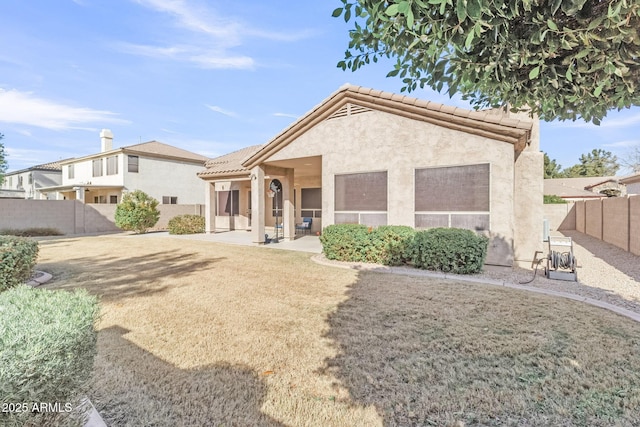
point(445, 249)
point(186, 224)
point(358, 243)
point(18, 255)
point(47, 347)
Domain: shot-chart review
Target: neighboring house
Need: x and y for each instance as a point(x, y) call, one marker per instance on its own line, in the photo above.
point(164, 172)
point(594, 187)
point(375, 158)
point(632, 183)
point(28, 183)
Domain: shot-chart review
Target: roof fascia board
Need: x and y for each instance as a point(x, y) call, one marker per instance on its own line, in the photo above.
point(519, 134)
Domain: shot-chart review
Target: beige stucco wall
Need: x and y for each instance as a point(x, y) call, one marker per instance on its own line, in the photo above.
point(615, 227)
point(561, 216)
point(74, 217)
point(377, 141)
point(593, 218)
point(580, 216)
point(634, 224)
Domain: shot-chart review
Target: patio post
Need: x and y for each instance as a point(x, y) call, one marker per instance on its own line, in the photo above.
point(257, 204)
point(288, 210)
point(210, 208)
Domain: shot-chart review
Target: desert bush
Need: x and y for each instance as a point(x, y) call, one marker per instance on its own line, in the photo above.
point(137, 212)
point(451, 250)
point(358, 243)
point(18, 255)
point(186, 224)
point(550, 199)
point(47, 347)
point(31, 232)
point(391, 243)
point(345, 242)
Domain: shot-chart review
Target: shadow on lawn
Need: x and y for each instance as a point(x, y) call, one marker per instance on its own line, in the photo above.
point(117, 277)
point(434, 352)
point(133, 387)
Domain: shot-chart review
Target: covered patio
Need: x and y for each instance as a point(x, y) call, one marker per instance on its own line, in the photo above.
point(285, 192)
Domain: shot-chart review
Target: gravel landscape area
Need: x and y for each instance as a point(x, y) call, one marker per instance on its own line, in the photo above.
point(605, 273)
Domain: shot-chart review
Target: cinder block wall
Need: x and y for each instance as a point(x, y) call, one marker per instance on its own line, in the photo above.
point(21, 214)
point(593, 218)
point(561, 216)
point(580, 216)
point(74, 217)
point(615, 227)
point(169, 211)
point(634, 225)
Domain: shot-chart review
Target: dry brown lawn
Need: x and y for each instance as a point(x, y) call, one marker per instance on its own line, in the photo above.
point(197, 333)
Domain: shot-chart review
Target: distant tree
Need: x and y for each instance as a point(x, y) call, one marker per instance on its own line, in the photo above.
point(632, 159)
point(566, 59)
point(3, 161)
point(551, 199)
point(137, 212)
point(551, 168)
point(596, 163)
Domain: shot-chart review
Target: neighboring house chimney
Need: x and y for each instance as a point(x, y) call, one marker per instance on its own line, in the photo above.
point(106, 140)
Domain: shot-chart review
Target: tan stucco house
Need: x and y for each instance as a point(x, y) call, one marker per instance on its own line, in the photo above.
point(165, 172)
point(29, 183)
point(372, 157)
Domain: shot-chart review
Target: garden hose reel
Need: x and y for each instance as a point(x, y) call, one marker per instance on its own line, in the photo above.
point(561, 262)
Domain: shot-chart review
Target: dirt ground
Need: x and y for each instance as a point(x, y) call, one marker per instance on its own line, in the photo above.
point(199, 333)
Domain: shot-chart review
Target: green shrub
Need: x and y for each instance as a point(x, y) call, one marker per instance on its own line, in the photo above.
point(31, 232)
point(137, 212)
point(186, 224)
point(358, 243)
point(345, 242)
point(47, 347)
point(390, 244)
point(18, 255)
point(449, 249)
point(550, 199)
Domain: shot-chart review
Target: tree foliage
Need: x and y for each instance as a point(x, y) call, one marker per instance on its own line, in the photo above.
point(137, 212)
point(551, 168)
point(596, 163)
point(567, 59)
point(3, 160)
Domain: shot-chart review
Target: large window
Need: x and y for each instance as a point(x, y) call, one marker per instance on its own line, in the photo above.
point(361, 198)
point(311, 202)
point(132, 164)
point(455, 196)
point(228, 203)
point(97, 167)
point(71, 173)
point(112, 165)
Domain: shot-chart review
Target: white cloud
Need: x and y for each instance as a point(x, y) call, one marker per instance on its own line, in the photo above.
point(26, 109)
point(292, 116)
point(203, 58)
point(623, 144)
point(221, 110)
point(208, 37)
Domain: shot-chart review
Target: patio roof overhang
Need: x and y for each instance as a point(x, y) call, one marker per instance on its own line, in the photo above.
point(74, 187)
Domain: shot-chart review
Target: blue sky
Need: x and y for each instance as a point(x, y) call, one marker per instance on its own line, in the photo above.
point(207, 76)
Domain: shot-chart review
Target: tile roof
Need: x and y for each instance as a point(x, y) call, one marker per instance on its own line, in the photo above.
point(51, 166)
point(575, 187)
point(163, 150)
point(229, 164)
point(629, 179)
point(488, 123)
